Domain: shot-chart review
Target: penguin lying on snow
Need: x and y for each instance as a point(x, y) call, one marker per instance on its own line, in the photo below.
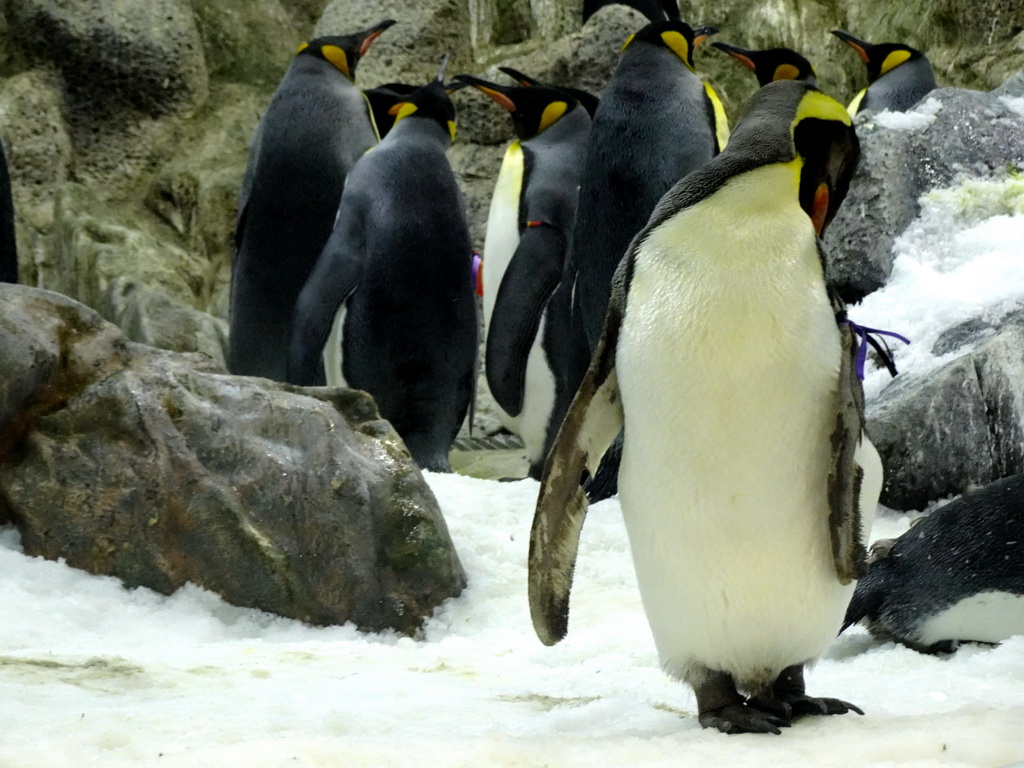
point(394, 284)
point(747, 482)
point(528, 228)
point(772, 64)
point(956, 576)
point(316, 125)
point(898, 76)
point(8, 246)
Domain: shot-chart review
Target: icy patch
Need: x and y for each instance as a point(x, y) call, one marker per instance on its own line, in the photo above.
point(1014, 103)
point(958, 260)
point(922, 116)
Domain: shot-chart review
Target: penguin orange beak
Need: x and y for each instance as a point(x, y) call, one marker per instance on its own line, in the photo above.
point(374, 33)
point(488, 89)
point(860, 46)
point(742, 55)
point(819, 208)
point(700, 34)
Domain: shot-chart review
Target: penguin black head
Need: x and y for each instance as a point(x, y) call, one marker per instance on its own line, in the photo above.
point(586, 99)
point(772, 64)
point(678, 36)
point(344, 51)
point(789, 121)
point(382, 99)
point(534, 108)
point(879, 58)
point(430, 102)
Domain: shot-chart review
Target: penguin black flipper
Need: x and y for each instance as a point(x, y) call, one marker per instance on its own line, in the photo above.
point(527, 285)
point(334, 278)
point(592, 423)
point(845, 474)
point(8, 246)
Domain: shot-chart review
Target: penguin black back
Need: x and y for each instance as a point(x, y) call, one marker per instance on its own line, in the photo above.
point(772, 64)
point(956, 576)
point(8, 245)
point(316, 125)
point(898, 76)
point(395, 283)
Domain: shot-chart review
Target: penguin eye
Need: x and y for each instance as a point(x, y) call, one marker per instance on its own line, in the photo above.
point(552, 112)
point(786, 72)
point(894, 59)
point(338, 58)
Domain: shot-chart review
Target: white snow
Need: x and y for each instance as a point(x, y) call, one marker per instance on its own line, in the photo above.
point(1015, 103)
point(920, 117)
point(961, 258)
point(94, 674)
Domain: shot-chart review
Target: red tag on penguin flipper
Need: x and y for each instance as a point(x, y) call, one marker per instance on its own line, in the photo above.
point(478, 273)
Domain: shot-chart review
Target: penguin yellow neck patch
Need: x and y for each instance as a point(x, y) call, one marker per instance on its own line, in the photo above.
point(301, 48)
point(817, 105)
point(402, 109)
point(894, 59)
point(786, 72)
point(451, 129)
point(552, 112)
point(626, 44)
point(338, 58)
point(676, 43)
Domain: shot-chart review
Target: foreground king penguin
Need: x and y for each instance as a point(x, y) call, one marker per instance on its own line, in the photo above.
point(747, 483)
point(316, 126)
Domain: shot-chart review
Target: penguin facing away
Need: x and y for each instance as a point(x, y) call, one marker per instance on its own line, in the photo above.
point(898, 76)
point(382, 99)
point(772, 64)
point(8, 245)
point(315, 127)
point(390, 306)
point(956, 576)
point(746, 481)
point(528, 228)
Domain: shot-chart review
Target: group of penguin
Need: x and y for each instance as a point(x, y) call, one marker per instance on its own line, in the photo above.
point(653, 290)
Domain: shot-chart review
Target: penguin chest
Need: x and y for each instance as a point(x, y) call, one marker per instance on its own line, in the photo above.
point(728, 363)
point(502, 237)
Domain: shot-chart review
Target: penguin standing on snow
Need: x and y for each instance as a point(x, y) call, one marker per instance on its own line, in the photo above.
point(8, 246)
point(898, 76)
point(956, 576)
point(316, 125)
point(390, 307)
point(772, 64)
point(746, 481)
point(528, 229)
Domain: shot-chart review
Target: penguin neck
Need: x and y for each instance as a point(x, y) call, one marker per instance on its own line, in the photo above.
point(573, 126)
point(649, 63)
point(420, 130)
point(311, 65)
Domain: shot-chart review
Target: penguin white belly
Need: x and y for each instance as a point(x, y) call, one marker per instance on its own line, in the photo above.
point(728, 363)
point(501, 241)
point(987, 617)
point(538, 400)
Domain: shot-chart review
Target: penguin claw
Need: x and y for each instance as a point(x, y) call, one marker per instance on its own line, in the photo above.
point(803, 706)
point(742, 718)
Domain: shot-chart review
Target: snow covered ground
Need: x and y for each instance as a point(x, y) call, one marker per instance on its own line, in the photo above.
point(94, 675)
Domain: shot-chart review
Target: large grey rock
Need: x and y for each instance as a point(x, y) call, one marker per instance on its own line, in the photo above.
point(951, 134)
point(411, 51)
point(142, 464)
point(959, 426)
point(152, 317)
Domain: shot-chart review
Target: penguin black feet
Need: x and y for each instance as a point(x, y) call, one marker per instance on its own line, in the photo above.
point(719, 705)
point(789, 689)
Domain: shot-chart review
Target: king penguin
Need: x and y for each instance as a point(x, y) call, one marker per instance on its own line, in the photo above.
point(772, 64)
point(315, 127)
point(8, 245)
point(747, 483)
point(898, 76)
point(656, 122)
point(390, 307)
point(528, 228)
point(382, 99)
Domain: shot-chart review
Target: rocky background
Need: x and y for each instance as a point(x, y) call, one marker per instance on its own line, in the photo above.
point(126, 124)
